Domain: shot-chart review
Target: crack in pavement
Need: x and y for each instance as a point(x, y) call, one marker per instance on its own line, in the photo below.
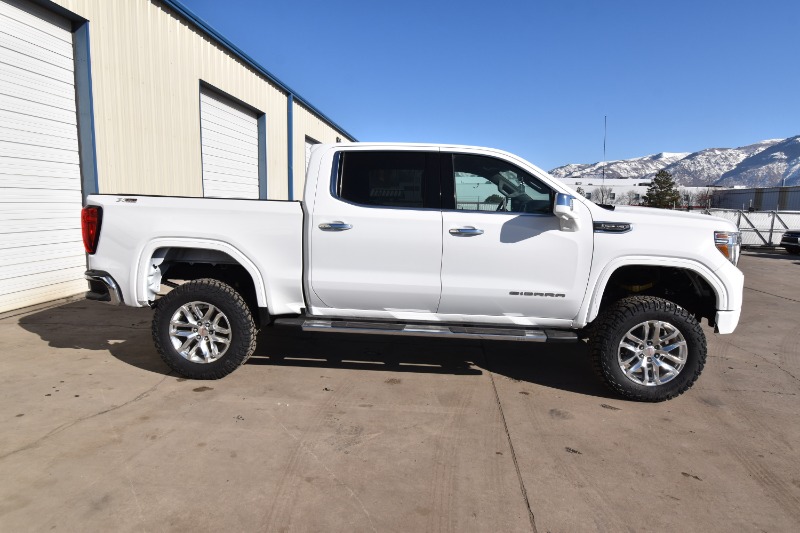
point(64, 427)
point(764, 359)
point(524, 491)
point(770, 294)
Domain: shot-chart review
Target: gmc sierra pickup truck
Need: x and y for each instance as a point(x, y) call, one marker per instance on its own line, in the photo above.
point(426, 240)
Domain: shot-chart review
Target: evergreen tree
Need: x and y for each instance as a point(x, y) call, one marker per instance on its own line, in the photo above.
point(662, 192)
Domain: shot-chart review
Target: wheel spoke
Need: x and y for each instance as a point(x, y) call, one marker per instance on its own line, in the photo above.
point(186, 344)
point(204, 350)
point(669, 337)
point(636, 367)
point(631, 337)
point(673, 346)
point(188, 315)
point(645, 373)
point(208, 314)
point(183, 333)
point(197, 313)
point(674, 358)
point(669, 371)
point(627, 362)
point(656, 331)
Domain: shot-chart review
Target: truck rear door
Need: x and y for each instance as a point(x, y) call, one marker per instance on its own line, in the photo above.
point(375, 234)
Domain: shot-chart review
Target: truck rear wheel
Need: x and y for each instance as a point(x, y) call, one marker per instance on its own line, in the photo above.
point(203, 329)
point(647, 348)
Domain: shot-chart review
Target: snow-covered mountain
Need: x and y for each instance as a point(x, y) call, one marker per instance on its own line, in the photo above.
point(763, 164)
point(707, 166)
point(769, 167)
point(625, 168)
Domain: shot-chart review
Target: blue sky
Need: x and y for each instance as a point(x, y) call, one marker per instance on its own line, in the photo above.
point(534, 78)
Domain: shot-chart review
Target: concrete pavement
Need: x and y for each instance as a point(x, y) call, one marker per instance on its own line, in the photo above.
point(355, 433)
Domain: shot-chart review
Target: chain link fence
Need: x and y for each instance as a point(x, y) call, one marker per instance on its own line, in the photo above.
point(760, 228)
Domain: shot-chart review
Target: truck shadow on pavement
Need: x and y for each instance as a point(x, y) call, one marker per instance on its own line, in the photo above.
point(124, 333)
point(559, 366)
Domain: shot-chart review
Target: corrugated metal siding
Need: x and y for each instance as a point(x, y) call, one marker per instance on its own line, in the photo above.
point(40, 183)
point(229, 136)
point(307, 124)
point(147, 63)
point(760, 199)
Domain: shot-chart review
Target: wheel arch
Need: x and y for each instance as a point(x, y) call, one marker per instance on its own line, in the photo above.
point(592, 307)
point(147, 276)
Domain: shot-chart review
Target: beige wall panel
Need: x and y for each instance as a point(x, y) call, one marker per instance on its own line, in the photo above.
point(147, 64)
point(307, 124)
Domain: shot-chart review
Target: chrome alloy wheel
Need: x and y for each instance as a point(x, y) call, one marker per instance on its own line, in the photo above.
point(652, 353)
point(200, 332)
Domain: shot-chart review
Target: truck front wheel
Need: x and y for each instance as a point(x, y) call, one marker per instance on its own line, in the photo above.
point(647, 348)
point(203, 329)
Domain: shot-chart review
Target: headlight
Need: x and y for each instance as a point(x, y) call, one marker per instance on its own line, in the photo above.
point(729, 243)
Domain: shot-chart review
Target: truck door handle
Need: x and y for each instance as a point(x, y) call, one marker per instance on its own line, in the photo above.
point(335, 226)
point(468, 231)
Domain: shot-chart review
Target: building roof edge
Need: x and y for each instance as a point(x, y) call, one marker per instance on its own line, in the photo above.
point(238, 52)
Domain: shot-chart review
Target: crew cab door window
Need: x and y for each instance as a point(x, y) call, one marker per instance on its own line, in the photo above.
point(488, 184)
point(389, 179)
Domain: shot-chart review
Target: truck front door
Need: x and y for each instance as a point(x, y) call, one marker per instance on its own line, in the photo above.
point(504, 253)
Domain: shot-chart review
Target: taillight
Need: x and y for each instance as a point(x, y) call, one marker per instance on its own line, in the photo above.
point(91, 217)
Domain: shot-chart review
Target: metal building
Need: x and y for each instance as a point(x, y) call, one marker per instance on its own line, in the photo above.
point(759, 198)
point(133, 97)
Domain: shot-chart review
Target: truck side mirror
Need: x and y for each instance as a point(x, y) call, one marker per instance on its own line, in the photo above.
point(563, 208)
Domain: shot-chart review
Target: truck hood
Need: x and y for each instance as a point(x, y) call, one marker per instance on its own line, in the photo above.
point(625, 213)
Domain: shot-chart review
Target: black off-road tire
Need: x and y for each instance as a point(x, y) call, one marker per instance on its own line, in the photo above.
point(793, 251)
point(239, 317)
point(615, 321)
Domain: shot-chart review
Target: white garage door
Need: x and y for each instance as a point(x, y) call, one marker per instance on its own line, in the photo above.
point(229, 134)
point(41, 253)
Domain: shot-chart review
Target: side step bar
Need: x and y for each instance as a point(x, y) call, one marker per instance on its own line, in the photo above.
point(431, 330)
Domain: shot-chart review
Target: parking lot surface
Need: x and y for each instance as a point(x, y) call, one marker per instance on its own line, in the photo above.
point(322, 432)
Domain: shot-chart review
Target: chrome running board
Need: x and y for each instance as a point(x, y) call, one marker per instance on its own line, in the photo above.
point(431, 330)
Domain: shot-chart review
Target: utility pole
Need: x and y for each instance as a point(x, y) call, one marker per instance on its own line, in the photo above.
point(605, 133)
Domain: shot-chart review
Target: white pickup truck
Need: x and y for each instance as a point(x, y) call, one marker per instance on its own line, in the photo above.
point(426, 240)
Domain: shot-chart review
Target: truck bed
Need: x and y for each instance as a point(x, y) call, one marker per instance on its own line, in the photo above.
point(265, 236)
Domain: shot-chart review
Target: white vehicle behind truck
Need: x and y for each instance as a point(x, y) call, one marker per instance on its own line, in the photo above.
point(426, 240)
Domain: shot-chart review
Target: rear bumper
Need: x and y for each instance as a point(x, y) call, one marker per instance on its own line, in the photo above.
point(102, 287)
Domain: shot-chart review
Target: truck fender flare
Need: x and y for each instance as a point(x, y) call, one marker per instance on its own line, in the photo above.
point(593, 308)
point(139, 278)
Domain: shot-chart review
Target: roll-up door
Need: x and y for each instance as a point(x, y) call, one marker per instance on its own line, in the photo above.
point(41, 254)
point(229, 137)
